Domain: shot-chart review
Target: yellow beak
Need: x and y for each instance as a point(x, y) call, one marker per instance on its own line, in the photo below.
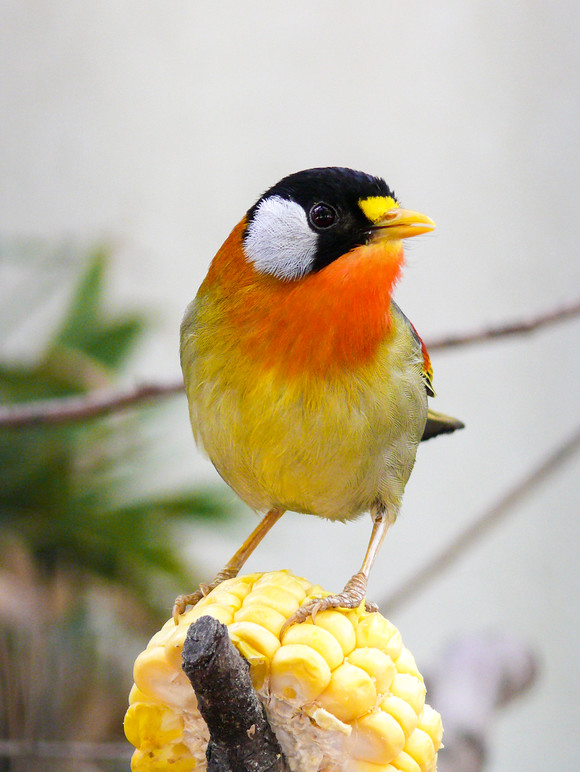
point(398, 224)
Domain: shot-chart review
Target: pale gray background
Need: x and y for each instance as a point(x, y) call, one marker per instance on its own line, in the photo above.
point(155, 125)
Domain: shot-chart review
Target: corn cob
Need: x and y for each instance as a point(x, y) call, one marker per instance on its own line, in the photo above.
point(342, 694)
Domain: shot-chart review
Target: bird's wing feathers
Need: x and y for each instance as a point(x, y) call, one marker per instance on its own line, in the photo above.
point(437, 423)
point(427, 370)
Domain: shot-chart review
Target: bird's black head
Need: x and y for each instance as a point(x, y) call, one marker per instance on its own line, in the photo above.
point(313, 217)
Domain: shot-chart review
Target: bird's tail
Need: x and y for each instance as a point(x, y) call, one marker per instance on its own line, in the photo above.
point(439, 423)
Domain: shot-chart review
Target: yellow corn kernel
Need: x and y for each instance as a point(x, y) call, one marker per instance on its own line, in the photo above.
point(325, 720)
point(375, 631)
point(223, 614)
point(278, 598)
point(420, 747)
point(406, 763)
point(161, 635)
point(430, 722)
point(266, 616)
point(349, 694)
point(376, 737)
point(304, 583)
point(298, 673)
point(401, 711)
point(256, 636)
point(394, 646)
point(176, 758)
point(406, 664)
point(357, 765)
point(410, 689)
point(239, 586)
point(174, 645)
point(316, 591)
point(319, 639)
point(354, 615)
point(147, 723)
point(223, 598)
point(377, 664)
point(136, 695)
point(339, 626)
point(157, 678)
point(282, 580)
point(259, 664)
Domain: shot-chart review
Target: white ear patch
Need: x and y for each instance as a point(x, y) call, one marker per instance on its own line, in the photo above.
point(279, 240)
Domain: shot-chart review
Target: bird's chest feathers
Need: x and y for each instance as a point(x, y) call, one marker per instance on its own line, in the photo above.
point(329, 321)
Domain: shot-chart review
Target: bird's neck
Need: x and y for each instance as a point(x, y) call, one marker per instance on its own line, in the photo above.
point(327, 321)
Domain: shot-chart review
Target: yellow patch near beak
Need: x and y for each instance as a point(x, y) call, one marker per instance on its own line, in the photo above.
point(375, 207)
point(390, 222)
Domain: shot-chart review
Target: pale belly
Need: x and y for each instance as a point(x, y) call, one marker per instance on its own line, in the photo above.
point(330, 447)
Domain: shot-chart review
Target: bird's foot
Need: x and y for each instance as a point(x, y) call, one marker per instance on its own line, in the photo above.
point(350, 597)
point(183, 601)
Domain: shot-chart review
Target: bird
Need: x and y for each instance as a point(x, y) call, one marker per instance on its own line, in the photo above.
point(307, 385)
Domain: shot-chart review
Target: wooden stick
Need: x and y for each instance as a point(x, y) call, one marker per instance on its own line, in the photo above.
point(241, 739)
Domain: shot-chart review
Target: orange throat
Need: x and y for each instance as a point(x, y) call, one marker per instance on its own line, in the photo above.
point(327, 321)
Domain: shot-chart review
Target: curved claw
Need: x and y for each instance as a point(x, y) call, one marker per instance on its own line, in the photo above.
point(350, 597)
point(182, 602)
point(315, 605)
point(309, 609)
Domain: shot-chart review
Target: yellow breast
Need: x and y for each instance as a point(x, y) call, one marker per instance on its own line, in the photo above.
point(325, 444)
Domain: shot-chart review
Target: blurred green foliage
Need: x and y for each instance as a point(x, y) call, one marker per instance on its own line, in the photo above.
point(89, 557)
point(65, 488)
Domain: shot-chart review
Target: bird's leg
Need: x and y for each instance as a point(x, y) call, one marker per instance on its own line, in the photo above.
point(355, 589)
point(232, 567)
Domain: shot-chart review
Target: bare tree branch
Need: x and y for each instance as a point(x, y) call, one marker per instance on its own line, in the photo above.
point(104, 402)
point(241, 739)
point(481, 525)
point(504, 330)
point(96, 404)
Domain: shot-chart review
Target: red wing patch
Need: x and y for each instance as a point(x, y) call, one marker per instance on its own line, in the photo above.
point(427, 368)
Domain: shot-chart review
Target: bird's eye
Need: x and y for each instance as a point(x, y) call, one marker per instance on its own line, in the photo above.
point(322, 215)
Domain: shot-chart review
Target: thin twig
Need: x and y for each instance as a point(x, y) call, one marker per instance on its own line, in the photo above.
point(101, 402)
point(509, 328)
point(98, 403)
point(482, 524)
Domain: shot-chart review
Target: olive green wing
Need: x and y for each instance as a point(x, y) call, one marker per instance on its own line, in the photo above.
point(437, 423)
